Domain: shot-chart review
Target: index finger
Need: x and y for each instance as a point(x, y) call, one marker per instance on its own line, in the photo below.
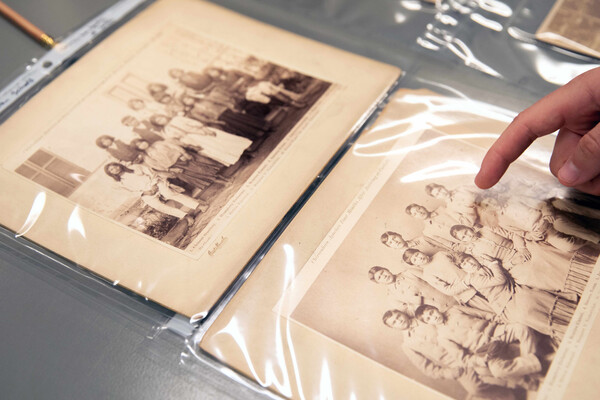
point(576, 100)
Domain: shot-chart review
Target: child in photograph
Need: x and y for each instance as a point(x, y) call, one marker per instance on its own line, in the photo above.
point(514, 303)
point(436, 223)
point(460, 202)
point(421, 346)
point(441, 272)
point(168, 158)
point(535, 221)
point(143, 129)
point(477, 336)
point(532, 263)
point(151, 188)
point(425, 244)
point(126, 153)
point(408, 288)
point(210, 142)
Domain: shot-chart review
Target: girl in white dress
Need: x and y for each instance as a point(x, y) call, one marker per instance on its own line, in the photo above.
point(140, 179)
point(216, 144)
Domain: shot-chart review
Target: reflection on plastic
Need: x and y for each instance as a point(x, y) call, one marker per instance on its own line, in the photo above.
point(399, 18)
point(197, 317)
point(77, 177)
point(445, 169)
point(551, 70)
point(325, 390)
point(290, 269)
point(521, 35)
point(558, 73)
point(491, 6)
point(439, 111)
point(488, 23)
point(233, 330)
point(75, 224)
point(496, 7)
point(411, 5)
point(34, 213)
point(446, 19)
point(458, 47)
point(432, 142)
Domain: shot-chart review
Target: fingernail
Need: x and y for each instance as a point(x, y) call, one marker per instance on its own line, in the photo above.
point(569, 173)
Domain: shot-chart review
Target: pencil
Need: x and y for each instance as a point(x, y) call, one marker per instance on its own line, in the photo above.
point(25, 25)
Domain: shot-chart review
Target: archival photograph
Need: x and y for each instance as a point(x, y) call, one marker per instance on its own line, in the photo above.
point(573, 25)
point(175, 140)
point(467, 292)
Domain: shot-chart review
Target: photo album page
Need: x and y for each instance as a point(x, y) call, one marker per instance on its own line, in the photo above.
point(163, 158)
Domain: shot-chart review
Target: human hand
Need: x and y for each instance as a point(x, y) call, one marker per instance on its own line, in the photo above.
point(574, 109)
point(524, 254)
point(453, 373)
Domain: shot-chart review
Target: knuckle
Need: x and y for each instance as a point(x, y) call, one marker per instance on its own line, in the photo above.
point(525, 128)
point(589, 146)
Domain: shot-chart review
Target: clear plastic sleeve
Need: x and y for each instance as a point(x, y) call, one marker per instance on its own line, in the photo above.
point(27, 66)
point(295, 315)
point(498, 38)
point(400, 279)
point(165, 157)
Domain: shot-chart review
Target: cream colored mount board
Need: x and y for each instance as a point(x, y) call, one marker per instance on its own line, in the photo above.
point(399, 279)
point(573, 25)
point(163, 158)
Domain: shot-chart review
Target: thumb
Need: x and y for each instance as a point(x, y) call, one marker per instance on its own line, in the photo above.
point(584, 163)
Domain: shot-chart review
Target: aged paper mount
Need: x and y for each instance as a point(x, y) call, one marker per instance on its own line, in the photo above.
point(573, 25)
point(323, 302)
point(163, 158)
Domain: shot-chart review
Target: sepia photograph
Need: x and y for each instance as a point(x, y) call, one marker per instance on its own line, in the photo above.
point(164, 157)
point(468, 292)
point(573, 24)
point(167, 144)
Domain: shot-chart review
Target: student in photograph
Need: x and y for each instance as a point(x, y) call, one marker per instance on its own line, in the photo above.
point(425, 244)
point(123, 152)
point(231, 79)
point(168, 158)
point(477, 336)
point(141, 180)
point(442, 273)
point(460, 202)
point(199, 82)
point(514, 303)
point(214, 143)
point(144, 129)
point(408, 288)
point(158, 91)
point(436, 223)
point(268, 93)
point(535, 264)
point(145, 109)
point(232, 121)
point(438, 362)
point(535, 221)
